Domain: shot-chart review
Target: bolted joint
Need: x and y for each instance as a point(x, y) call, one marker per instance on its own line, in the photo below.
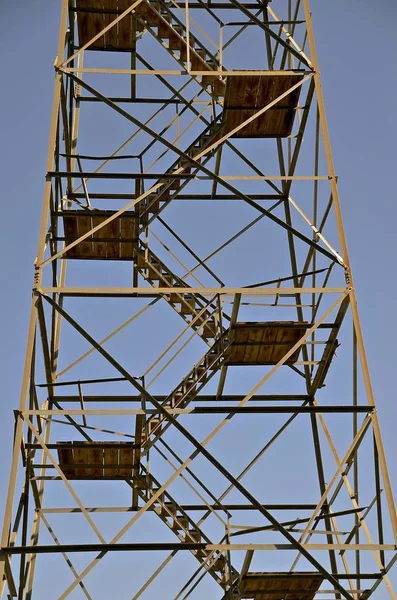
point(348, 276)
point(36, 276)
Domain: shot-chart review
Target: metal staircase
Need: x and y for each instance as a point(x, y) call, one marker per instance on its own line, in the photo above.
point(172, 32)
point(203, 317)
point(181, 45)
point(186, 390)
point(183, 526)
point(169, 187)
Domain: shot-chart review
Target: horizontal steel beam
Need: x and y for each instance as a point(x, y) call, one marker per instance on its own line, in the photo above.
point(205, 291)
point(110, 196)
point(85, 381)
point(100, 175)
point(213, 6)
point(132, 100)
point(183, 73)
point(199, 398)
point(277, 409)
point(182, 175)
point(69, 446)
point(170, 546)
point(237, 410)
point(217, 6)
point(190, 507)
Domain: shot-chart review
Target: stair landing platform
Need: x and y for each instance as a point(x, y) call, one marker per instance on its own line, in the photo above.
point(115, 241)
point(98, 460)
point(247, 94)
point(266, 343)
point(95, 15)
point(280, 586)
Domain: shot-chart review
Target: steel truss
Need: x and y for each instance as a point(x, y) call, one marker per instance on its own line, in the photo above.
point(236, 452)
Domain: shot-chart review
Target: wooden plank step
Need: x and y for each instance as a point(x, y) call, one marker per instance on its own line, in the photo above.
point(181, 397)
point(188, 306)
point(200, 370)
point(213, 67)
point(198, 60)
point(181, 522)
point(153, 205)
point(175, 43)
point(219, 564)
point(141, 262)
point(175, 298)
point(164, 30)
point(211, 363)
point(163, 196)
point(154, 491)
point(154, 270)
point(175, 184)
point(167, 279)
point(189, 385)
point(154, 427)
point(209, 329)
point(193, 153)
point(193, 535)
point(169, 509)
point(205, 140)
point(176, 400)
point(140, 483)
point(152, 16)
point(183, 53)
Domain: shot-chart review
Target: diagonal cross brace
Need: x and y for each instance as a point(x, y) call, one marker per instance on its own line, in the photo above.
point(198, 165)
point(183, 100)
point(200, 449)
point(299, 55)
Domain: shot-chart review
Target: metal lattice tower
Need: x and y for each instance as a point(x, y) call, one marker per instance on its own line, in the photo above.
point(196, 415)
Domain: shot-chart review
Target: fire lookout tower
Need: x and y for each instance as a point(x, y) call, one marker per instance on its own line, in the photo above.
point(196, 416)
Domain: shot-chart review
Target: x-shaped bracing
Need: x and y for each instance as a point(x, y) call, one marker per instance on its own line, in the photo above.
point(200, 448)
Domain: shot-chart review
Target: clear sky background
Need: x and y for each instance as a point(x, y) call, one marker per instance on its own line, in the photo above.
point(356, 50)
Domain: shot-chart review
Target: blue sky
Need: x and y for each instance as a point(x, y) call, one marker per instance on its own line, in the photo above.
point(355, 49)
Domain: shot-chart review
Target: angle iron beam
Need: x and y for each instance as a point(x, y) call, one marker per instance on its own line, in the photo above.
point(271, 33)
point(110, 196)
point(342, 237)
point(199, 398)
point(186, 507)
point(237, 410)
point(161, 546)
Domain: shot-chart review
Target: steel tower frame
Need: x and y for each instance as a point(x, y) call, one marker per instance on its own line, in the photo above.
point(218, 95)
